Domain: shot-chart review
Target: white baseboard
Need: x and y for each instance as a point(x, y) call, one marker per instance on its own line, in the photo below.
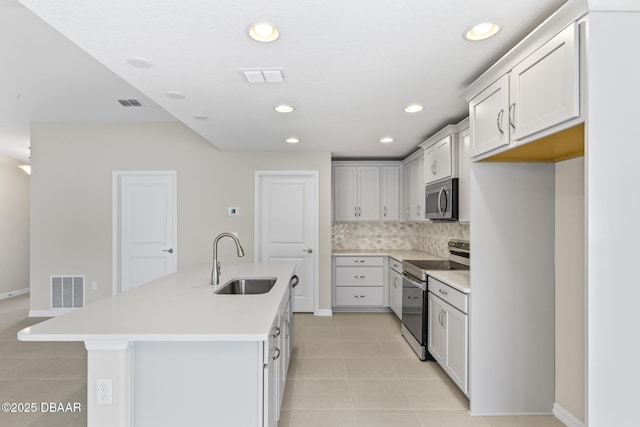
point(14, 293)
point(566, 417)
point(323, 312)
point(49, 313)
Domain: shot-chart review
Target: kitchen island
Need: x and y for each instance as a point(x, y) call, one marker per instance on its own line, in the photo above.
point(173, 352)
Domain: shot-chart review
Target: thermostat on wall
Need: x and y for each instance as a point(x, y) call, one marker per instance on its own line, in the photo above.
point(234, 211)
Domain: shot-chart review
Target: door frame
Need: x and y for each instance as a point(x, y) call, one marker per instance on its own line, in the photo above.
point(315, 175)
point(115, 217)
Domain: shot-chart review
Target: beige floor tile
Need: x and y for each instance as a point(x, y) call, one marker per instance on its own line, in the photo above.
point(415, 369)
point(323, 395)
point(342, 418)
point(317, 334)
point(378, 394)
point(435, 394)
point(357, 334)
point(449, 419)
point(369, 369)
point(321, 369)
point(17, 419)
point(49, 369)
point(391, 418)
point(384, 321)
point(389, 334)
point(293, 368)
point(321, 348)
point(319, 322)
point(523, 421)
point(399, 349)
point(353, 322)
point(289, 391)
point(42, 349)
point(363, 349)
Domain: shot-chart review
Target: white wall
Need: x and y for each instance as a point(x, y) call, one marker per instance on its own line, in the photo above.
point(14, 226)
point(613, 201)
point(570, 289)
point(71, 197)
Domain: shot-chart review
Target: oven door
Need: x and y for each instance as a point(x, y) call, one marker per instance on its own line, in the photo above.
point(413, 308)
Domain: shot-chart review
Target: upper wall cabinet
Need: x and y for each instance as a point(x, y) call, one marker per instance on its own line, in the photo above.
point(440, 158)
point(539, 93)
point(414, 187)
point(363, 191)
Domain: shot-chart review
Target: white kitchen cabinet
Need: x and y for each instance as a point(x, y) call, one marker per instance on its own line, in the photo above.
point(271, 380)
point(356, 193)
point(367, 191)
point(448, 335)
point(414, 187)
point(438, 160)
point(360, 282)
point(391, 187)
point(540, 92)
point(464, 172)
point(395, 287)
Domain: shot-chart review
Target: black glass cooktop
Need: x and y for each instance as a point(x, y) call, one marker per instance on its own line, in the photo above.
point(437, 264)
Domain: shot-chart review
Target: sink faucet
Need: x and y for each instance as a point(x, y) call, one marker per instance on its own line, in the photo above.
point(215, 272)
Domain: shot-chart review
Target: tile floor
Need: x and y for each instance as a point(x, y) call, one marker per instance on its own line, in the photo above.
point(39, 372)
point(355, 369)
point(347, 370)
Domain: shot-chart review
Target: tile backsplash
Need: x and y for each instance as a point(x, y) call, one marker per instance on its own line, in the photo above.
point(427, 237)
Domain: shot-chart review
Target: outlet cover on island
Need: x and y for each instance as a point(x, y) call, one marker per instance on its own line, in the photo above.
point(234, 211)
point(104, 392)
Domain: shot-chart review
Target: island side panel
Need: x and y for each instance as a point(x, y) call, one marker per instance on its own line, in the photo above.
point(198, 383)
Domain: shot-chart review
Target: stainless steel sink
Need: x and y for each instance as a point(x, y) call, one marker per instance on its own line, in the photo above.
point(247, 286)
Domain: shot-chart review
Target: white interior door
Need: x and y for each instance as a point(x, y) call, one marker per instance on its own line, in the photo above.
point(287, 228)
point(145, 227)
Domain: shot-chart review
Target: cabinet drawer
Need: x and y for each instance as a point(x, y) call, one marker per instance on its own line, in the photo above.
point(359, 295)
point(395, 265)
point(445, 292)
point(359, 276)
point(366, 260)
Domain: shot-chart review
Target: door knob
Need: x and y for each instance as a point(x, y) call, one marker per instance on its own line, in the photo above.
point(168, 250)
point(307, 250)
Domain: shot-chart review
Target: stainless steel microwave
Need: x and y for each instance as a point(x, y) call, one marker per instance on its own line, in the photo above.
point(442, 200)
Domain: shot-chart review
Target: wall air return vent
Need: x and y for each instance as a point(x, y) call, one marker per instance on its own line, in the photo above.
point(130, 102)
point(67, 291)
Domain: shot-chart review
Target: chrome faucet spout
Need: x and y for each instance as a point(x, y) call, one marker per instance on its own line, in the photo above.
point(215, 271)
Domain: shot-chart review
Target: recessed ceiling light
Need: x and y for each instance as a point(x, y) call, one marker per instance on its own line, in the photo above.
point(293, 140)
point(139, 62)
point(284, 108)
point(200, 117)
point(413, 108)
point(482, 31)
point(174, 94)
point(386, 140)
point(263, 32)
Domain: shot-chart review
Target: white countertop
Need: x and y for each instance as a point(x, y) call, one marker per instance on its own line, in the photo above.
point(178, 307)
point(458, 279)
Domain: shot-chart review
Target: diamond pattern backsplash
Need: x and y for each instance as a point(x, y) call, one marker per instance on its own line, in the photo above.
point(426, 237)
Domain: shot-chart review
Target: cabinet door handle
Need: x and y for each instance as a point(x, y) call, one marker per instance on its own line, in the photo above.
point(413, 297)
point(385, 211)
point(499, 121)
point(444, 319)
point(359, 260)
point(443, 292)
point(276, 332)
point(359, 211)
point(358, 277)
point(434, 167)
point(360, 296)
point(512, 111)
point(276, 350)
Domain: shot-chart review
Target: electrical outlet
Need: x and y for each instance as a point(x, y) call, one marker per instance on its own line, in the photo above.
point(94, 285)
point(104, 392)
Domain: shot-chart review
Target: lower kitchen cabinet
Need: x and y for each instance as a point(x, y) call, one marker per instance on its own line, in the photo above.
point(360, 282)
point(448, 335)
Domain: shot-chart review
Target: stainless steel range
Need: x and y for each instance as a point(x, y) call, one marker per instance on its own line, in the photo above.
point(414, 293)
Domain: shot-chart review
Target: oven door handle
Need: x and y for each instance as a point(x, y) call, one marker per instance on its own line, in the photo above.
point(411, 280)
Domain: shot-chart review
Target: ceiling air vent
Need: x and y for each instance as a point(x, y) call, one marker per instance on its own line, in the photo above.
point(263, 75)
point(130, 102)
